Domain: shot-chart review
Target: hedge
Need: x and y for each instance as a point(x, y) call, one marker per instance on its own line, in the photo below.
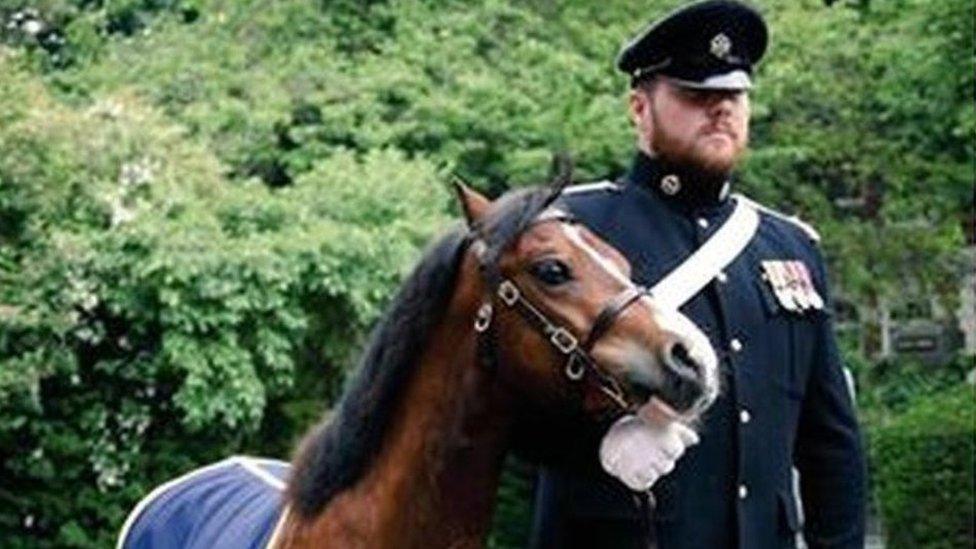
point(923, 468)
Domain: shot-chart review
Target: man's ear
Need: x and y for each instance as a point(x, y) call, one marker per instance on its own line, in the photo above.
point(640, 114)
point(638, 103)
point(473, 203)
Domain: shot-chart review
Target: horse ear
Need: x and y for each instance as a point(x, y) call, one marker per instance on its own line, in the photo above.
point(562, 173)
point(473, 203)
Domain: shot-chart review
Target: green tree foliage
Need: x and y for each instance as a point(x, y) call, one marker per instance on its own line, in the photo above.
point(872, 103)
point(149, 304)
point(205, 203)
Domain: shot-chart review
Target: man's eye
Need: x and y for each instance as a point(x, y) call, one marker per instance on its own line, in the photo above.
point(551, 271)
point(711, 96)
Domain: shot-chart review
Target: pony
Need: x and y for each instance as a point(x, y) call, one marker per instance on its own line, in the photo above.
point(519, 325)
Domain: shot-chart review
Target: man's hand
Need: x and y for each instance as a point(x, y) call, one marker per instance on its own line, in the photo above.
point(640, 450)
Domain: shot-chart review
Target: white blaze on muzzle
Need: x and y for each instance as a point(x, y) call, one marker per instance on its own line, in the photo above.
point(699, 347)
point(675, 325)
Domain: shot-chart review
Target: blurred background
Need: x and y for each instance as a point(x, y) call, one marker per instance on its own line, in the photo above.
point(205, 204)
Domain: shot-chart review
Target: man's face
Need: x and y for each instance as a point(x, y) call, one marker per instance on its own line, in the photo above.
point(703, 129)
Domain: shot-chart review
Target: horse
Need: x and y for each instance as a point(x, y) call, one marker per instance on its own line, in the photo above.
point(518, 316)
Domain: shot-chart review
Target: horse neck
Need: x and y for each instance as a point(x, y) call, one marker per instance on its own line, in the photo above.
point(433, 483)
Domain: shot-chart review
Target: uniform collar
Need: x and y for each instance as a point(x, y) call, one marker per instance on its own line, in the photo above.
point(677, 187)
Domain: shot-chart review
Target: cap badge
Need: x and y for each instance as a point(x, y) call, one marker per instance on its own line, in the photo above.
point(721, 45)
point(670, 184)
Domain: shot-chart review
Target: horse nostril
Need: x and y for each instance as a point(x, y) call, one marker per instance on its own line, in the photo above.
point(679, 358)
point(684, 381)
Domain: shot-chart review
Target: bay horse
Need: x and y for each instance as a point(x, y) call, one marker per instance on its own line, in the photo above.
point(522, 315)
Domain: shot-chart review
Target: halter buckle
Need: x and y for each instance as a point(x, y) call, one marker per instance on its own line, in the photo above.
point(508, 293)
point(563, 340)
point(482, 319)
point(615, 393)
point(575, 368)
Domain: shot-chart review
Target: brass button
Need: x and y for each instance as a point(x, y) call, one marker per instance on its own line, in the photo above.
point(735, 345)
point(670, 184)
point(745, 416)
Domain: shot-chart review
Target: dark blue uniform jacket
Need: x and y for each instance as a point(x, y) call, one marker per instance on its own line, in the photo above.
point(785, 401)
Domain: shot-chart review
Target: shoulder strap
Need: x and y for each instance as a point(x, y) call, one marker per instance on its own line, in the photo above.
point(581, 188)
point(804, 226)
point(715, 254)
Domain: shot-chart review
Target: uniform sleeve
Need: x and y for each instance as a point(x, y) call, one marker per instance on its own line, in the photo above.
point(829, 453)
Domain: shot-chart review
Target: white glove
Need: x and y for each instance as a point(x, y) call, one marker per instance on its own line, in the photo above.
point(640, 450)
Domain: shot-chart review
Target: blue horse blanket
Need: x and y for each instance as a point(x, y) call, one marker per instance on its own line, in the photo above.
point(235, 503)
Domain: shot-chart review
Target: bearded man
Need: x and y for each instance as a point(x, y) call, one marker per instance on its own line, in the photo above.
point(764, 304)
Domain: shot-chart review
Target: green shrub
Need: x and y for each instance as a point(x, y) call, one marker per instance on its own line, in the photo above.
point(512, 522)
point(923, 468)
point(891, 386)
point(155, 316)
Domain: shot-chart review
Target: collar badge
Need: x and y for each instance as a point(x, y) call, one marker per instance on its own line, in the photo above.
point(670, 184)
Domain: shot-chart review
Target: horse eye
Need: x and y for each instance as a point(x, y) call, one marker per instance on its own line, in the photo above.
point(551, 271)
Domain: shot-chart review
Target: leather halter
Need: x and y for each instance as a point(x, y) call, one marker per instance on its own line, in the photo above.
point(579, 362)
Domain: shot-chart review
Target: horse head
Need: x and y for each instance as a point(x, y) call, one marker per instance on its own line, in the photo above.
point(564, 321)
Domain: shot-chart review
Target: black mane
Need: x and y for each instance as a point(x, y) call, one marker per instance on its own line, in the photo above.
point(336, 453)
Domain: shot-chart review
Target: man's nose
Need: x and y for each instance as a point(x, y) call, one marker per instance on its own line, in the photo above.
point(721, 104)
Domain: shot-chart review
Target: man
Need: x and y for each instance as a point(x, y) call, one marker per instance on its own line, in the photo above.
point(785, 402)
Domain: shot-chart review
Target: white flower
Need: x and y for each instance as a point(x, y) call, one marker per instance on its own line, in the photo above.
point(107, 109)
point(136, 174)
point(32, 27)
point(89, 301)
point(122, 215)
